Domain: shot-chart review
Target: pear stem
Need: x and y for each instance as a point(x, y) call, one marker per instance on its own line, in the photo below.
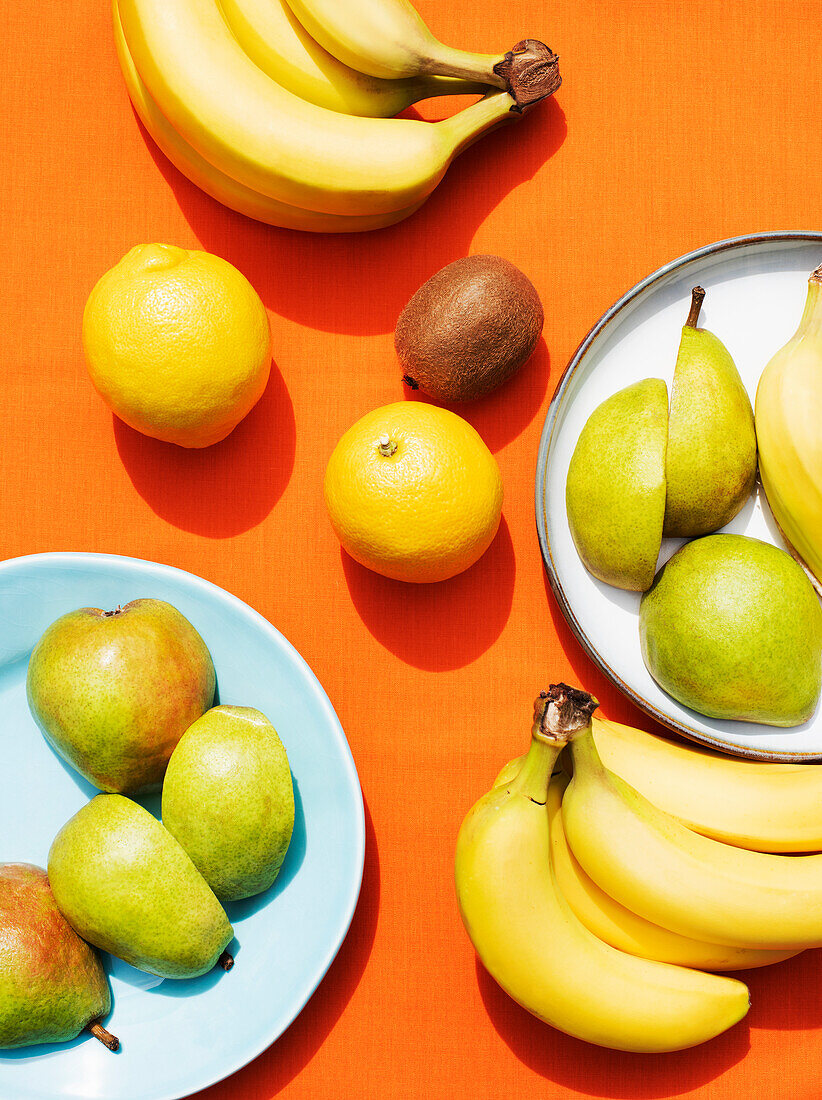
point(105, 1037)
point(697, 298)
point(226, 961)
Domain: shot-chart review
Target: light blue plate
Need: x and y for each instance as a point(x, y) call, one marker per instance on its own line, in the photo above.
point(180, 1036)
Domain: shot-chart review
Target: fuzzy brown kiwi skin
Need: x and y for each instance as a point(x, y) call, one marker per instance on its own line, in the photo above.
point(468, 328)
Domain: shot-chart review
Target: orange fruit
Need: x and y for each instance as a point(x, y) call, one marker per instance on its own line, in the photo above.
point(177, 343)
point(413, 492)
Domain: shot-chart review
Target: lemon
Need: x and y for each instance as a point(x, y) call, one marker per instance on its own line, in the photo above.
point(413, 492)
point(177, 343)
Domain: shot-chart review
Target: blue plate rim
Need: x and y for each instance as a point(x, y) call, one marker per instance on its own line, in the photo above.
point(543, 455)
point(72, 559)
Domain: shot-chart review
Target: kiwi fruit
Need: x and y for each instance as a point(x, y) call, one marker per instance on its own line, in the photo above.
point(468, 328)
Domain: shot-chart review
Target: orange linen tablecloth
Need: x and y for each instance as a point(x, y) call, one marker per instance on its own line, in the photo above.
point(677, 124)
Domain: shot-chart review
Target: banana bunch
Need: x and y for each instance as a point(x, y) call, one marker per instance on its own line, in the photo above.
point(789, 434)
point(600, 910)
point(282, 110)
point(750, 804)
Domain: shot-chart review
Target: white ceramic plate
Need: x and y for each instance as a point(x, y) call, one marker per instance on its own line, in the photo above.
point(755, 294)
point(180, 1036)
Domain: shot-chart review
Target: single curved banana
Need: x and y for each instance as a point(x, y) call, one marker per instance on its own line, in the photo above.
point(699, 887)
point(275, 143)
point(388, 38)
point(276, 41)
point(789, 434)
point(749, 803)
point(532, 944)
point(623, 929)
point(221, 187)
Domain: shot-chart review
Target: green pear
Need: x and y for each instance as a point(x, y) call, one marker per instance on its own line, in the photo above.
point(125, 885)
point(711, 464)
point(114, 691)
point(52, 984)
point(733, 629)
point(615, 491)
point(229, 801)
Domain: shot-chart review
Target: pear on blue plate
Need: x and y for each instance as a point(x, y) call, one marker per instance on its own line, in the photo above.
point(228, 799)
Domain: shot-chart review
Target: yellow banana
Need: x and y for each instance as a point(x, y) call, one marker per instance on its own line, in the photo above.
point(621, 928)
point(388, 38)
point(532, 944)
point(276, 41)
point(699, 887)
point(272, 141)
point(222, 187)
point(789, 434)
point(749, 803)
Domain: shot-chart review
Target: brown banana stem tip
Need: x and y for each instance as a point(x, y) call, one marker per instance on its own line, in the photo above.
point(697, 298)
point(816, 276)
point(530, 71)
point(105, 1037)
point(226, 961)
point(563, 711)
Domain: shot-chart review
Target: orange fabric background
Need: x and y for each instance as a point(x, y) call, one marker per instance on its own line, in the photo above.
point(677, 124)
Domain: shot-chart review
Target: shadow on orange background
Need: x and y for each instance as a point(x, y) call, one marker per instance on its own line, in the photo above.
point(438, 626)
point(623, 1076)
point(221, 490)
point(613, 703)
point(359, 282)
point(295, 1048)
point(505, 414)
point(786, 996)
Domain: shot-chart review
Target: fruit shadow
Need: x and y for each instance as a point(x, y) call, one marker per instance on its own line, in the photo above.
point(596, 1071)
point(589, 677)
point(38, 1051)
point(277, 1066)
point(246, 907)
point(225, 489)
point(788, 995)
point(302, 275)
point(505, 414)
point(438, 626)
point(88, 789)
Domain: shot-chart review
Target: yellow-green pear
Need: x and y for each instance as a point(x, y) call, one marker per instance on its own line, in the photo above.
point(615, 491)
point(711, 463)
point(125, 885)
point(733, 629)
point(114, 691)
point(229, 801)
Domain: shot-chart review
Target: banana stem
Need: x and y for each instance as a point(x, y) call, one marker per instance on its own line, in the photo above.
point(465, 127)
point(475, 67)
point(811, 322)
point(697, 298)
point(585, 755)
point(530, 71)
point(535, 774)
point(561, 714)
